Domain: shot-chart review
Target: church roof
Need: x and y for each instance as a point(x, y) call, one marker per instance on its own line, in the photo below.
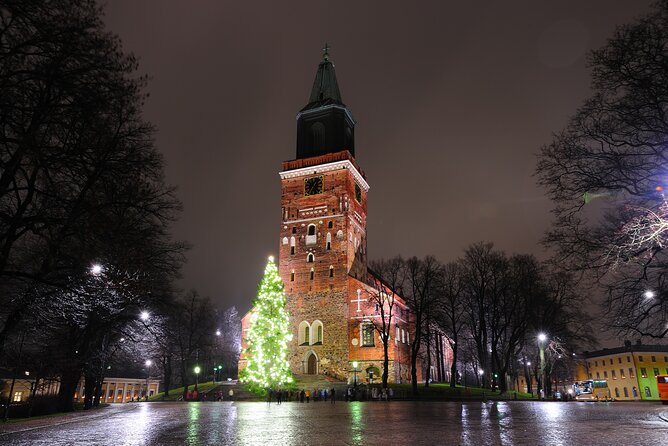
point(325, 90)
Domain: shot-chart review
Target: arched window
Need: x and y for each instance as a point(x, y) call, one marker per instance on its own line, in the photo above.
point(310, 257)
point(367, 334)
point(312, 274)
point(316, 332)
point(285, 240)
point(292, 245)
point(626, 392)
point(304, 333)
point(311, 236)
point(331, 271)
point(616, 392)
point(648, 393)
point(328, 245)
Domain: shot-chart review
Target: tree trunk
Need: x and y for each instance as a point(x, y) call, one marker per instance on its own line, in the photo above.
point(167, 372)
point(386, 362)
point(453, 368)
point(68, 386)
point(427, 377)
point(98, 392)
point(89, 390)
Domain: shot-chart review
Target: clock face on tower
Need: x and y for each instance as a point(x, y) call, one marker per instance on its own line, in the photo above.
point(313, 186)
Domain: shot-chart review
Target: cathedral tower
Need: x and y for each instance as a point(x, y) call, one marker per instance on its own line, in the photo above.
point(323, 229)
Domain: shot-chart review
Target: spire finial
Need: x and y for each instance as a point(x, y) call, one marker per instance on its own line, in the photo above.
point(325, 51)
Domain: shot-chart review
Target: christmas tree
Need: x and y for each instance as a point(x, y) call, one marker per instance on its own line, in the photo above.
point(268, 336)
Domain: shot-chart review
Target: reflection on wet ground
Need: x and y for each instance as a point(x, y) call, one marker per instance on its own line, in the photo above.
point(368, 423)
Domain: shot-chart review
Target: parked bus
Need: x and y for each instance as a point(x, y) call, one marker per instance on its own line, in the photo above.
point(592, 390)
point(662, 387)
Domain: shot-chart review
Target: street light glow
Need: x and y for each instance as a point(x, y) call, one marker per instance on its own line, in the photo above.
point(197, 370)
point(218, 333)
point(148, 363)
point(542, 337)
point(529, 363)
point(96, 269)
point(271, 258)
point(649, 294)
point(355, 364)
point(144, 315)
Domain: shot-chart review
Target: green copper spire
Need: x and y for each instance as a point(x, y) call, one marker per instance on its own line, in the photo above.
point(325, 90)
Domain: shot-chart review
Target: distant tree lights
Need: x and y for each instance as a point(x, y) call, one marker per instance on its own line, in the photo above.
point(268, 336)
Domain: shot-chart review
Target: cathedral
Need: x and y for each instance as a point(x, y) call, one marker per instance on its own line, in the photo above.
point(323, 250)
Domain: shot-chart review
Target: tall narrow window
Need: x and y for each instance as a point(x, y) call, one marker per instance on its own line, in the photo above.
point(292, 245)
point(331, 271)
point(311, 236)
point(330, 224)
point(312, 273)
point(310, 258)
point(328, 245)
point(292, 275)
point(367, 334)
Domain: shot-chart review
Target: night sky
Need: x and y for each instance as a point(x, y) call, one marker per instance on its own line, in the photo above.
point(452, 102)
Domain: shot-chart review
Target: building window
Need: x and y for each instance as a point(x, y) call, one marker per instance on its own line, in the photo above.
point(619, 360)
point(397, 335)
point(292, 246)
point(328, 245)
point(598, 375)
point(367, 334)
point(626, 392)
point(312, 273)
point(665, 359)
point(17, 396)
point(616, 392)
point(610, 361)
point(635, 392)
point(621, 373)
point(640, 359)
point(304, 333)
point(294, 229)
point(656, 371)
point(311, 237)
point(653, 358)
point(331, 271)
point(292, 275)
point(403, 336)
point(595, 363)
point(614, 375)
point(330, 224)
point(628, 359)
point(316, 329)
point(605, 374)
point(310, 258)
point(648, 393)
point(408, 336)
point(632, 373)
point(643, 372)
point(589, 364)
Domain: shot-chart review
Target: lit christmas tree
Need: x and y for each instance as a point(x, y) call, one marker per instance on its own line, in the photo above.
point(268, 336)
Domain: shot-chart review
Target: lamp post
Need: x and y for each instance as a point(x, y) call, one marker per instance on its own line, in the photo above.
point(197, 370)
point(542, 337)
point(355, 364)
point(148, 364)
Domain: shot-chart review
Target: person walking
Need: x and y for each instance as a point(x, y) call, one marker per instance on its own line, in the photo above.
point(301, 396)
point(308, 395)
point(332, 395)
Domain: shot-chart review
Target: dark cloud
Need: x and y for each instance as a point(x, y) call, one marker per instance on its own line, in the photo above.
point(452, 99)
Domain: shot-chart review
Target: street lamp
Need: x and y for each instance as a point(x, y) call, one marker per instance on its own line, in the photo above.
point(96, 269)
point(542, 337)
point(148, 364)
point(355, 364)
point(197, 370)
point(144, 315)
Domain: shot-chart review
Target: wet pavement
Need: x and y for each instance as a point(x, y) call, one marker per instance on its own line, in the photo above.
point(359, 423)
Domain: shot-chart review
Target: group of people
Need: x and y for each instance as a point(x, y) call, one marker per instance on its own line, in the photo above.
point(301, 396)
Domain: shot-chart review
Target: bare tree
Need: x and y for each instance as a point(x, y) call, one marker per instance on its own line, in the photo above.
point(606, 175)
point(387, 278)
point(449, 310)
point(421, 278)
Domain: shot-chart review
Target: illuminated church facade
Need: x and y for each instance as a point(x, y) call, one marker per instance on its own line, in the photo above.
point(323, 250)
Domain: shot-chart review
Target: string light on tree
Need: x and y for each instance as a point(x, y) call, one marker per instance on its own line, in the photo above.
point(268, 335)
